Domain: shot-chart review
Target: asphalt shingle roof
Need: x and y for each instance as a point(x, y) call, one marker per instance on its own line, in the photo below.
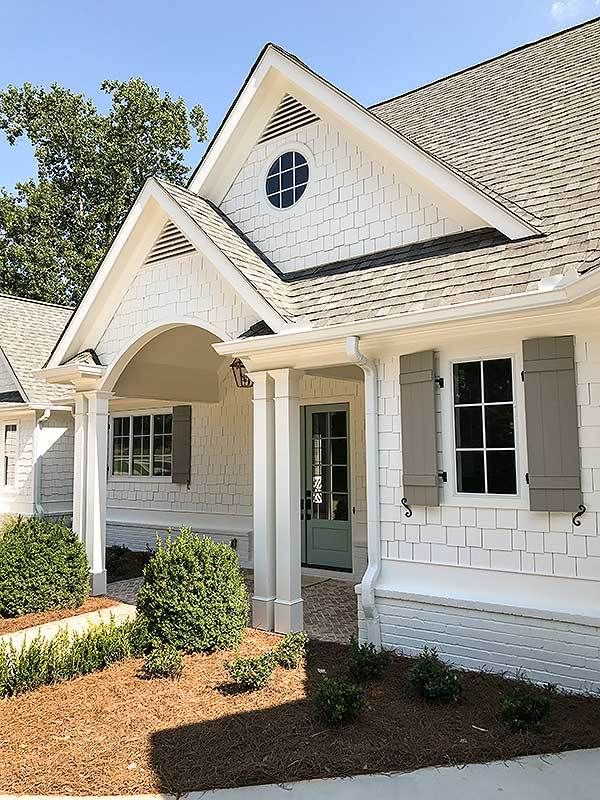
point(28, 332)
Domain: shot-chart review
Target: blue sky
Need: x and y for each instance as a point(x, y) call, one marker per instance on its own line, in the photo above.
point(203, 50)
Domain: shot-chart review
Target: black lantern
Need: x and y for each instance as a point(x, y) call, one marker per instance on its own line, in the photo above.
point(242, 381)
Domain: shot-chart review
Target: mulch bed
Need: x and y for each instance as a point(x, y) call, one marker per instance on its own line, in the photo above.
point(12, 624)
point(113, 733)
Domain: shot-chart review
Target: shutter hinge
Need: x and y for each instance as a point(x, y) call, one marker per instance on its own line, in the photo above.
point(443, 475)
point(527, 478)
point(439, 381)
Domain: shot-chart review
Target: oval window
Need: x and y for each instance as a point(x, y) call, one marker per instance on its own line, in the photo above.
point(287, 180)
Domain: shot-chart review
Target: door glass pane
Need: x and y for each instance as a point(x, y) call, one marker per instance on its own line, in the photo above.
point(321, 505)
point(467, 382)
point(320, 450)
point(469, 426)
point(339, 506)
point(339, 451)
point(499, 426)
point(501, 472)
point(497, 380)
point(338, 423)
point(319, 424)
point(321, 481)
point(339, 479)
point(469, 468)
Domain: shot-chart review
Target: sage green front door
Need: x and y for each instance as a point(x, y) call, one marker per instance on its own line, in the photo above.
point(327, 526)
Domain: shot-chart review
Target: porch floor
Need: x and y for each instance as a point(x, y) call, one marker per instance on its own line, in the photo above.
point(329, 605)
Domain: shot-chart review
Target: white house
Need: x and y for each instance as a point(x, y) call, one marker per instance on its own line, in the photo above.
point(414, 289)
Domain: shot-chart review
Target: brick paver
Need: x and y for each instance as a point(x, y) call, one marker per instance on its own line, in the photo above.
point(329, 605)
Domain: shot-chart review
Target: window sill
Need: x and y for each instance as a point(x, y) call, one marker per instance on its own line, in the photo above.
point(139, 479)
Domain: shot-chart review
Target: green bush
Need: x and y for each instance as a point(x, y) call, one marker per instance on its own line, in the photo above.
point(43, 566)
point(524, 706)
point(433, 679)
point(193, 595)
point(123, 563)
point(252, 673)
point(162, 661)
point(40, 662)
point(291, 650)
point(366, 663)
point(339, 701)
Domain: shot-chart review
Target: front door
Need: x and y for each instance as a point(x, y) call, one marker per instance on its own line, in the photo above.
point(327, 540)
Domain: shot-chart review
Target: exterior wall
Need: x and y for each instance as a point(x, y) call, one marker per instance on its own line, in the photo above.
point(56, 443)
point(219, 500)
point(353, 204)
point(455, 576)
point(18, 499)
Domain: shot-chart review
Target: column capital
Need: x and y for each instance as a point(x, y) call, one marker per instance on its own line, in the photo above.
point(98, 401)
point(287, 382)
point(263, 385)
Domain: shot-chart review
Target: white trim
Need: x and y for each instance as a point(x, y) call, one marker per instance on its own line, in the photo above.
point(275, 69)
point(288, 147)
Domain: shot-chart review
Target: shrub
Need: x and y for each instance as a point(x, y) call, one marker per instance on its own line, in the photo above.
point(193, 595)
point(524, 707)
point(339, 701)
point(122, 563)
point(366, 662)
point(252, 673)
point(43, 566)
point(162, 661)
point(433, 679)
point(291, 650)
point(40, 661)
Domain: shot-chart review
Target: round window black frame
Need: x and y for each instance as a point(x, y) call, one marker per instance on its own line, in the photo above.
point(287, 179)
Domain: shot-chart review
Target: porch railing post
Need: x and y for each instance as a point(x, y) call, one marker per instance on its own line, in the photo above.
point(288, 602)
point(80, 465)
point(264, 502)
point(95, 514)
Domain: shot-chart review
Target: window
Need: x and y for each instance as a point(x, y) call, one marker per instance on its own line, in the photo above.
point(10, 455)
point(484, 427)
point(142, 445)
point(287, 180)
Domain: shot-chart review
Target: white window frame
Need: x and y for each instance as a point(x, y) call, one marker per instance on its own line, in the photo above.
point(449, 490)
point(149, 412)
point(9, 488)
point(270, 158)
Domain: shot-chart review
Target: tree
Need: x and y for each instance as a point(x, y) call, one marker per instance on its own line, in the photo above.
point(55, 230)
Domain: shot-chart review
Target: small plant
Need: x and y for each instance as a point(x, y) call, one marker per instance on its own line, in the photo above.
point(252, 673)
point(291, 650)
point(339, 701)
point(162, 661)
point(43, 566)
point(433, 679)
point(524, 706)
point(366, 662)
point(193, 595)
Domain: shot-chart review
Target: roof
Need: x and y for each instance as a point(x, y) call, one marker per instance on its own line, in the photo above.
point(28, 332)
point(523, 125)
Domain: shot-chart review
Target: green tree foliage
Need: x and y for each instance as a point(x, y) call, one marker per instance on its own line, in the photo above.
point(55, 230)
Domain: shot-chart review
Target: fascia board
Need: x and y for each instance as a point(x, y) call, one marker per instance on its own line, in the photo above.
point(426, 166)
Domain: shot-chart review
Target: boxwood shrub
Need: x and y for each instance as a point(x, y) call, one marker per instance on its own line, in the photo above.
point(193, 595)
point(43, 566)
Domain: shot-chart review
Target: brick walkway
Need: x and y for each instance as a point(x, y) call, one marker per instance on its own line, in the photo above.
point(329, 605)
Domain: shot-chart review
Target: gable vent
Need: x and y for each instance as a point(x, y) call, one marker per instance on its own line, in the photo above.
point(289, 115)
point(169, 244)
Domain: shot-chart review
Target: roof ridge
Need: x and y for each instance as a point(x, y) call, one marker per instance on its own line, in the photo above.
point(490, 60)
point(38, 302)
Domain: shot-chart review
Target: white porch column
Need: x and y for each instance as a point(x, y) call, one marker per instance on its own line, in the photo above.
point(80, 465)
point(95, 515)
point(264, 502)
point(288, 602)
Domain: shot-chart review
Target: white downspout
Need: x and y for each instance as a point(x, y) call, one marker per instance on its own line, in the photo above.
point(37, 476)
point(372, 469)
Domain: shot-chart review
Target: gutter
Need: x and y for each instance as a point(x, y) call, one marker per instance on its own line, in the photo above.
point(372, 475)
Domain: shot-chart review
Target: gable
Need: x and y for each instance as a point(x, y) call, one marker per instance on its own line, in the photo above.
point(354, 204)
point(9, 389)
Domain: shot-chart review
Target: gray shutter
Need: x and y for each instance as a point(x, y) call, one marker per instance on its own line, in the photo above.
point(417, 408)
point(182, 444)
point(551, 420)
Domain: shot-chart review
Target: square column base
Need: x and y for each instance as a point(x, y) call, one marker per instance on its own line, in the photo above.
point(263, 613)
point(289, 616)
point(98, 583)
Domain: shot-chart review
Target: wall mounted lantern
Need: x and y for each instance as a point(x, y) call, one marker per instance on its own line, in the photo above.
point(240, 374)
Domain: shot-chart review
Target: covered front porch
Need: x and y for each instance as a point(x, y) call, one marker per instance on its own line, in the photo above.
point(165, 437)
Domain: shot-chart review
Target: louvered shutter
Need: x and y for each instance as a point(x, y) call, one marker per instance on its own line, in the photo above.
point(182, 444)
point(417, 409)
point(551, 421)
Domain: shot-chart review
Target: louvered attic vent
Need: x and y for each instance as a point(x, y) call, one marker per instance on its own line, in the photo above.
point(169, 244)
point(288, 116)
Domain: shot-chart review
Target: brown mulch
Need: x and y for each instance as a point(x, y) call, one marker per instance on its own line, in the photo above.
point(114, 733)
point(12, 624)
